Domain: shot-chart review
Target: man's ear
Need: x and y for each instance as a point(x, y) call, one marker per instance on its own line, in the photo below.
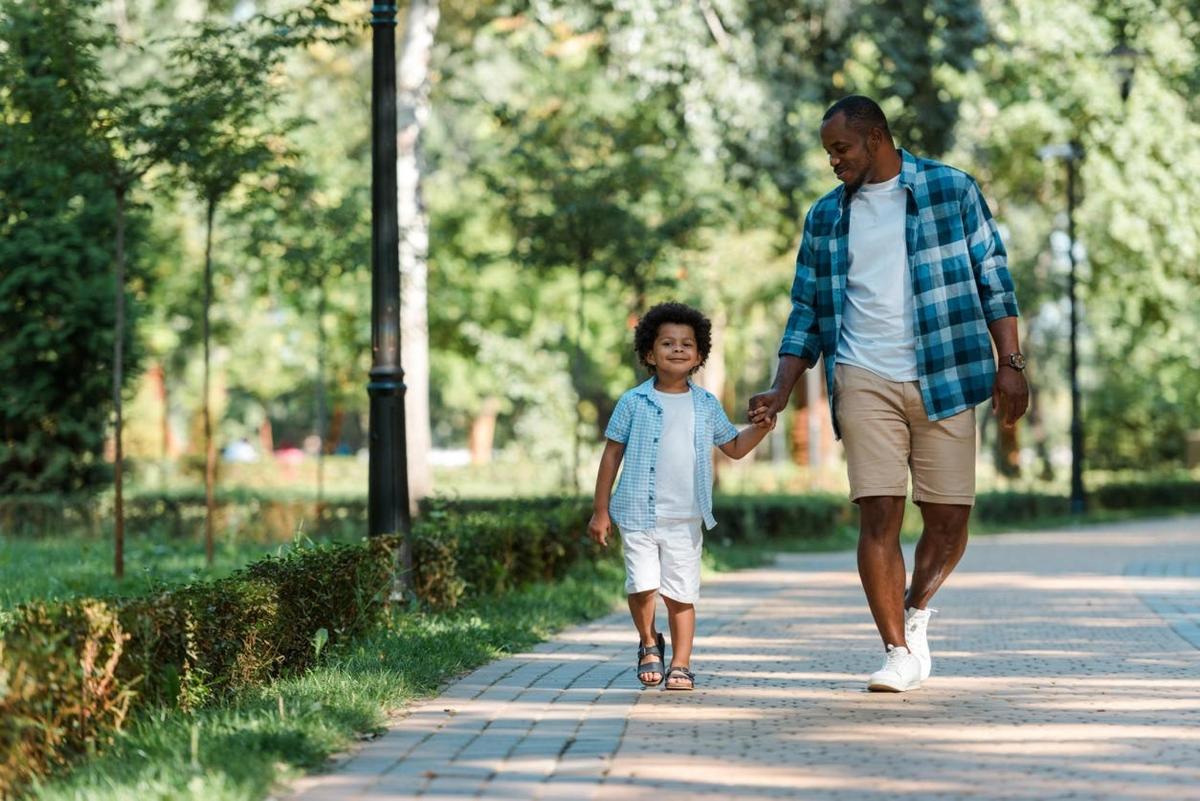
point(874, 139)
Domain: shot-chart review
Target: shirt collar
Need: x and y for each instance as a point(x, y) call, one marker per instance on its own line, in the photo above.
point(646, 388)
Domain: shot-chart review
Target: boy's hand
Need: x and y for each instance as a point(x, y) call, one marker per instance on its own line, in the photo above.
point(598, 528)
point(766, 421)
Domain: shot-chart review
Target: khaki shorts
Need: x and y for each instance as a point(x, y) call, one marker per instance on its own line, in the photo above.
point(886, 434)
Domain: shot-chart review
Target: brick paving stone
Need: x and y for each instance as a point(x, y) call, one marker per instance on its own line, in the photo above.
point(1065, 667)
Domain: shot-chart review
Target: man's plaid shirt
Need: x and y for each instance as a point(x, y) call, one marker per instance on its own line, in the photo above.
point(960, 283)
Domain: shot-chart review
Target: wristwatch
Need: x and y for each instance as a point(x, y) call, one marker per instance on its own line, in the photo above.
point(1016, 361)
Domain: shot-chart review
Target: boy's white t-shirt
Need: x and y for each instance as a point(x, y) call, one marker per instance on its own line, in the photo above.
point(675, 473)
point(877, 321)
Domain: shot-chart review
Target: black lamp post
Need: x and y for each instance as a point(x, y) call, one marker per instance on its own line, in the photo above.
point(387, 504)
point(1071, 154)
point(1124, 59)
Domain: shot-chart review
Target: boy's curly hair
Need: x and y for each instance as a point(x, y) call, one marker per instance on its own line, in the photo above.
point(672, 312)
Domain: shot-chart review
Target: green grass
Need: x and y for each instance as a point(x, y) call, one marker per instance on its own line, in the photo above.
point(71, 565)
point(245, 748)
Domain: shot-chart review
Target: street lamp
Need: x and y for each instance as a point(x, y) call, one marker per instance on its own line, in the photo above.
point(1124, 60)
point(1071, 153)
point(387, 504)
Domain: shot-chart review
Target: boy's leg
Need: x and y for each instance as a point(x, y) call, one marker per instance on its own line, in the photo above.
point(641, 585)
point(681, 544)
point(682, 619)
point(641, 607)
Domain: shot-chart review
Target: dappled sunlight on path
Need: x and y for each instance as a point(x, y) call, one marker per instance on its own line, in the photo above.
point(1063, 668)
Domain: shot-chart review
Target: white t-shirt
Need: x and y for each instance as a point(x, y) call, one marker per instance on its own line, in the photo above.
point(877, 320)
point(675, 471)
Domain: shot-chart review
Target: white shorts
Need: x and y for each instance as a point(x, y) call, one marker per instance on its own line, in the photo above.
point(665, 558)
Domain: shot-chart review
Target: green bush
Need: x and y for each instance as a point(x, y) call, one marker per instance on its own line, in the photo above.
point(60, 695)
point(473, 549)
point(1018, 507)
point(759, 518)
point(1177, 494)
point(69, 671)
point(254, 516)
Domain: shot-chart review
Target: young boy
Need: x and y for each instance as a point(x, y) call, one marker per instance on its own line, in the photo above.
point(665, 428)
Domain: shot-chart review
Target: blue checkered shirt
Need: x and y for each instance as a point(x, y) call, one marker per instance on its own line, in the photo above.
point(960, 283)
point(637, 423)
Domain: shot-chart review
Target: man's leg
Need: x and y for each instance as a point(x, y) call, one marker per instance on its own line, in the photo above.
point(881, 563)
point(941, 545)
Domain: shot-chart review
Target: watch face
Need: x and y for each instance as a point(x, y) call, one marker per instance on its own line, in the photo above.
point(1016, 361)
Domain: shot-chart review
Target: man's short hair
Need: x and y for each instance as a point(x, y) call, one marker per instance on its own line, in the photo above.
point(862, 114)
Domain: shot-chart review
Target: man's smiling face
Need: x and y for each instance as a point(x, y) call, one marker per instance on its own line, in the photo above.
point(851, 152)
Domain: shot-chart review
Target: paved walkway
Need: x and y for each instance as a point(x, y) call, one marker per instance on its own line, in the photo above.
point(1065, 667)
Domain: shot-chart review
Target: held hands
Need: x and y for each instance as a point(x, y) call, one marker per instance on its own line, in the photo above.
point(765, 407)
point(766, 422)
point(598, 528)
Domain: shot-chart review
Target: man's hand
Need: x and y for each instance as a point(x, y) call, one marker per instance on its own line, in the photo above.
point(598, 528)
point(767, 422)
point(764, 407)
point(1010, 396)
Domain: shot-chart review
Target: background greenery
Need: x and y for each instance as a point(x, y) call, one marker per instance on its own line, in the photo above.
point(582, 161)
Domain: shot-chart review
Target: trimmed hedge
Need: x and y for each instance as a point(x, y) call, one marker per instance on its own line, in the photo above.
point(264, 517)
point(70, 672)
point(760, 518)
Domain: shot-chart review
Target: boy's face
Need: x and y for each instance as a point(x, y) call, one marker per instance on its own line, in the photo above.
point(675, 352)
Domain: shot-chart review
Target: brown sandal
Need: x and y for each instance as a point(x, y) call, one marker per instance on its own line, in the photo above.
point(691, 677)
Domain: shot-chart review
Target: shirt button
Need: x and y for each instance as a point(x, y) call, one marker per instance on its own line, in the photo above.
point(656, 439)
point(651, 469)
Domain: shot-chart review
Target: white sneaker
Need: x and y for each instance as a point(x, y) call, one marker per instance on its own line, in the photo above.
point(901, 671)
point(916, 625)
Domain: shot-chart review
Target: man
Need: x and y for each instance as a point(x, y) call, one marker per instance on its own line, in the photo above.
point(900, 279)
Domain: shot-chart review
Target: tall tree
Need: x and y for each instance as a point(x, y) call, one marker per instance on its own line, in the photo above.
point(129, 127)
point(56, 226)
point(412, 110)
point(220, 132)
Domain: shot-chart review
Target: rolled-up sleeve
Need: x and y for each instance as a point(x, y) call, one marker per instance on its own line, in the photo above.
point(989, 260)
point(801, 336)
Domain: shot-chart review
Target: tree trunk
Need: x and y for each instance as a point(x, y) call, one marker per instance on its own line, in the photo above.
point(158, 375)
point(1008, 451)
point(321, 411)
point(412, 111)
point(1038, 429)
point(210, 452)
point(118, 377)
point(335, 427)
point(812, 429)
point(482, 437)
point(578, 377)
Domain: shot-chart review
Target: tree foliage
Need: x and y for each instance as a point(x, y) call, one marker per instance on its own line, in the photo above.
point(56, 233)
